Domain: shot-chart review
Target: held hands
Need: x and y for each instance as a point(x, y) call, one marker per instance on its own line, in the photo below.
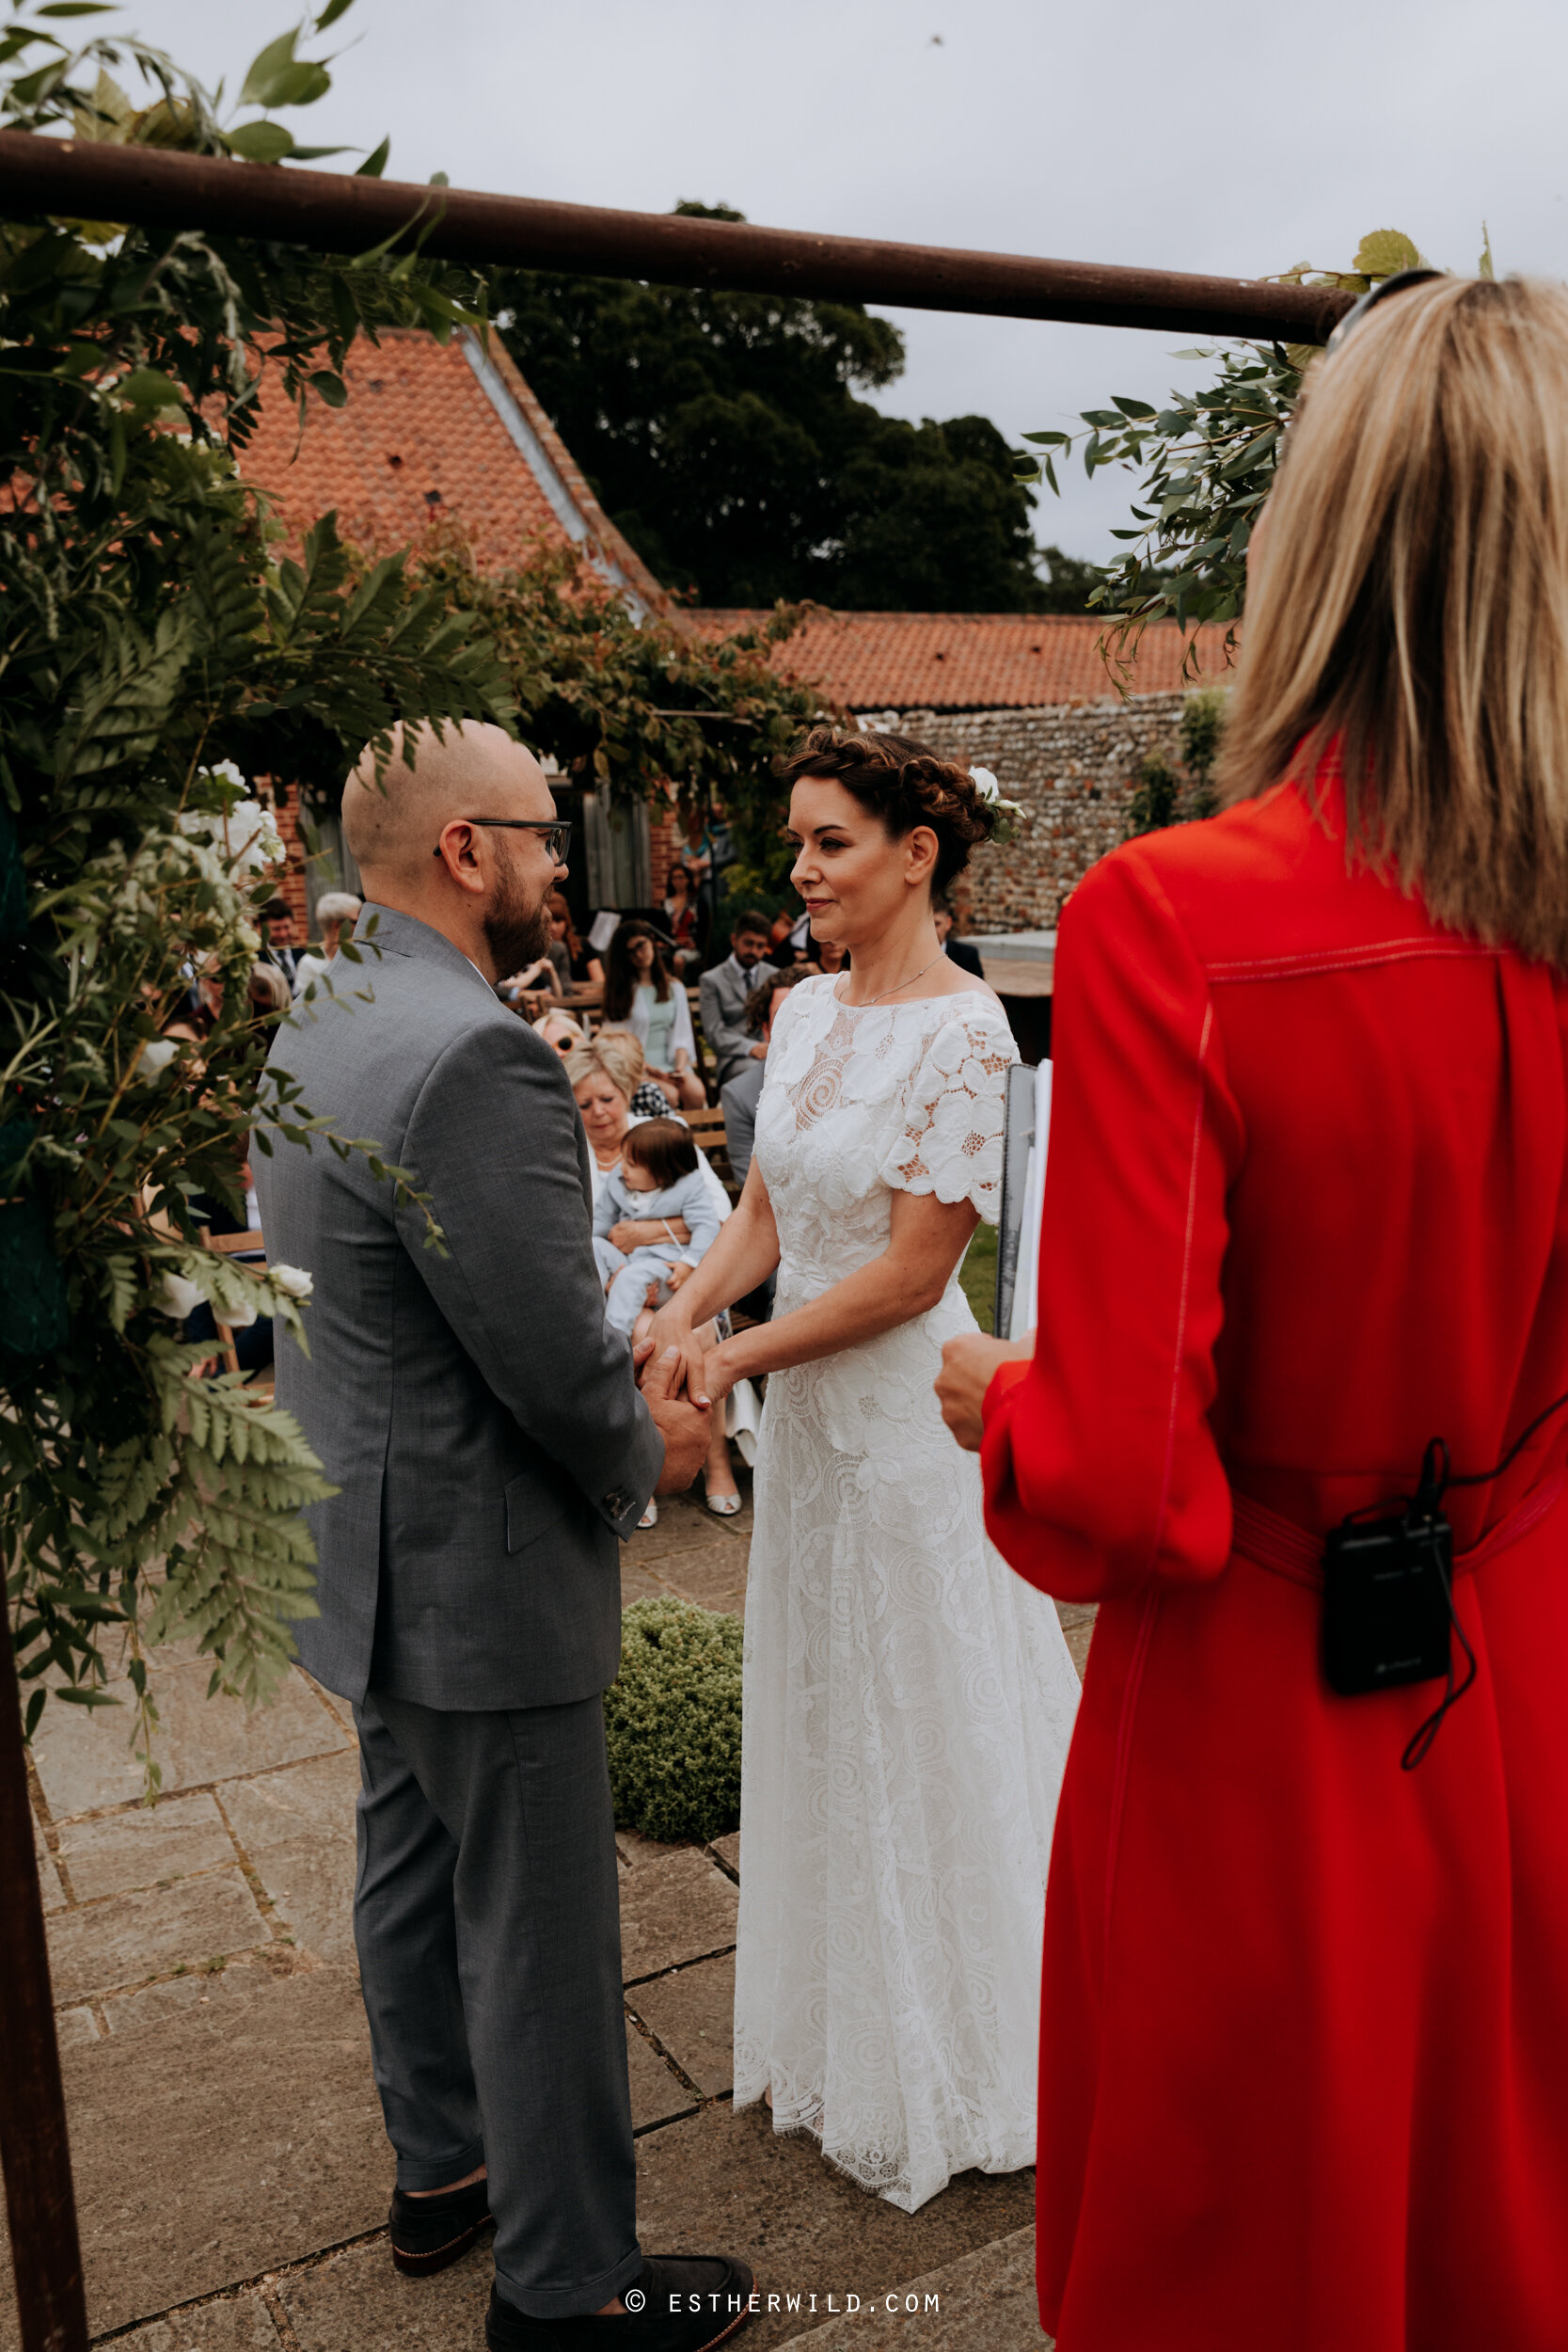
point(672, 1327)
point(968, 1368)
point(685, 1428)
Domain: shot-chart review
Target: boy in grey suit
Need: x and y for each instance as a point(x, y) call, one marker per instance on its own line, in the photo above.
point(489, 1445)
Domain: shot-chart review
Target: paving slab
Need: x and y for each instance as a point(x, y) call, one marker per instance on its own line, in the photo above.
point(728, 1849)
point(223, 2143)
point(357, 2302)
point(167, 1840)
point(692, 2012)
point(682, 1528)
point(296, 1829)
point(239, 2324)
point(658, 2094)
point(50, 1893)
point(983, 2302)
point(638, 1582)
point(198, 1988)
point(723, 2179)
point(84, 1756)
point(105, 1945)
point(675, 1906)
point(1077, 1625)
point(73, 2026)
point(713, 1576)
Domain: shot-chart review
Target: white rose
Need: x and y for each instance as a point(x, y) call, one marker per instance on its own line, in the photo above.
point(291, 1280)
point(238, 1318)
point(985, 784)
point(155, 1054)
point(175, 1297)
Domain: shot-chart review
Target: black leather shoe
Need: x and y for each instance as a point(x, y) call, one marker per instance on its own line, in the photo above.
point(428, 2233)
point(681, 2303)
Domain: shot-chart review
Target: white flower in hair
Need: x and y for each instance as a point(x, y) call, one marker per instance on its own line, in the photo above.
point(985, 784)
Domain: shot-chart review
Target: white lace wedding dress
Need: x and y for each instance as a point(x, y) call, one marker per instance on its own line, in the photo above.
point(907, 1700)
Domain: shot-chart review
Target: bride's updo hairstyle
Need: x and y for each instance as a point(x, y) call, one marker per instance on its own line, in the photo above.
point(904, 784)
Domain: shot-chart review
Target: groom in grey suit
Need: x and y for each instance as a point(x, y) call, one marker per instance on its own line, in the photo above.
point(489, 1446)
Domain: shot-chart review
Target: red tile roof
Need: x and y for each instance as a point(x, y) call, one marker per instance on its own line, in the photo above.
point(436, 432)
point(970, 660)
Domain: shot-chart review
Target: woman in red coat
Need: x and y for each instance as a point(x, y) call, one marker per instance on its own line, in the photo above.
point(1304, 2076)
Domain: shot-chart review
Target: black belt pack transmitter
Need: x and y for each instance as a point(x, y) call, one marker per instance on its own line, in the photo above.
point(1387, 1603)
point(1388, 1615)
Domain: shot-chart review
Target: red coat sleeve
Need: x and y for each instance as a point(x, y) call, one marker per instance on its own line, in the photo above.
point(1101, 1469)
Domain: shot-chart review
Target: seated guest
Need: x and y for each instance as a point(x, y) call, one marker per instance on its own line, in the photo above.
point(603, 1076)
point(961, 953)
point(561, 1033)
point(640, 996)
point(576, 965)
point(785, 946)
point(337, 913)
point(659, 1178)
point(831, 957)
point(687, 919)
point(278, 938)
point(724, 992)
point(739, 1097)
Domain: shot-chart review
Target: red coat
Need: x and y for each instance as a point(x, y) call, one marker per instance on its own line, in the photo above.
point(1304, 2075)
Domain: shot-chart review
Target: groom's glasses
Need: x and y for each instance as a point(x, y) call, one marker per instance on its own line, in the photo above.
point(556, 830)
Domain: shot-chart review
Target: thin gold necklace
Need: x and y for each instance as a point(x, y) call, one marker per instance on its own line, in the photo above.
point(909, 983)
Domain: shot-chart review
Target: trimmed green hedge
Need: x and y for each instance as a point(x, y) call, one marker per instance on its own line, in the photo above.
point(672, 1722)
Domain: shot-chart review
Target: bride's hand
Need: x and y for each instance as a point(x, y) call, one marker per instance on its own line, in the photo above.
point(717, 1378)
point(968, 1368)
point(672, 1327)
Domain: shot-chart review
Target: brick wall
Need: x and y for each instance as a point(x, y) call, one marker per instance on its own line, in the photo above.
point(284, 800)
point(1073, 768)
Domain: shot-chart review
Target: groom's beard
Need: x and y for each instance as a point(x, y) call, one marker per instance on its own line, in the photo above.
point(516, 932)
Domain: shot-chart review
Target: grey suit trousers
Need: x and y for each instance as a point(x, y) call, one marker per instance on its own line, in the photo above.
point(488, 1918)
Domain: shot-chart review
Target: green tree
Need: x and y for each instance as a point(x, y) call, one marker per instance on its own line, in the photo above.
point(158, 649)
point(722, 433)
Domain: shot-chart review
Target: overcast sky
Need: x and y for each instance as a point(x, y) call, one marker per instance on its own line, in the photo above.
point(1144, 133)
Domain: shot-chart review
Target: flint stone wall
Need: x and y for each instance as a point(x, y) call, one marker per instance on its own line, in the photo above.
point(1073, 768)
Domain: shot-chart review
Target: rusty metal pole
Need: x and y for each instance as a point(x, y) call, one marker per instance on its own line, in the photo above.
point(40, 2202)
point(338, 213)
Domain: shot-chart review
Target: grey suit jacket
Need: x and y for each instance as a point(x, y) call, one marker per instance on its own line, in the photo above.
point(740, 1099)
point(481, 1424)
point(722, 994)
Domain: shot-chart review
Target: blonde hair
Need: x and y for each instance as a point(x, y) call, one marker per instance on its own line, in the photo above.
point(617, 1057)
point(1412, 605)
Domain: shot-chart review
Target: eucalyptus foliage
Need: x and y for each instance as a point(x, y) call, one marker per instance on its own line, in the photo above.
point(1207, 461)
point(157, 646)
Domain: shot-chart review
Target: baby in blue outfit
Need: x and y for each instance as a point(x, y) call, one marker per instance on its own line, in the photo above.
point(659, 1178)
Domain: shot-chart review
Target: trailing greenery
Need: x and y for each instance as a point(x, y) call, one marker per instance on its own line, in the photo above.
point(672, 1722)
point(635, 705)
point(157, 649)
point(1207, 461)
point(724, 435)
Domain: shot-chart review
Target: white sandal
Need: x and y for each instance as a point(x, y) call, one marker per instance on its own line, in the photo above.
point(650, 1516)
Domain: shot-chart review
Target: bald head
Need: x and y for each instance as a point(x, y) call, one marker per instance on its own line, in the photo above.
point(392, 825)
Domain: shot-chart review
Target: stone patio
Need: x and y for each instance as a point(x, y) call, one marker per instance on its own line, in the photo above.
point(232, 2175)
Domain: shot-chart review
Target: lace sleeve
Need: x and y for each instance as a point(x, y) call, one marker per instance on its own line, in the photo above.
point(950, 1142)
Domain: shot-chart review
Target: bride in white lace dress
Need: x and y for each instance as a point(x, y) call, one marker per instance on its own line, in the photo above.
point(907, 1701)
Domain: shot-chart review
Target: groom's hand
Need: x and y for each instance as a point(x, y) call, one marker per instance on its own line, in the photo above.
point(685, 1428)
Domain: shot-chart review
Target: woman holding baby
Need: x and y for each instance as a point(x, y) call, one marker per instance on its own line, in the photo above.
point(648, 1226)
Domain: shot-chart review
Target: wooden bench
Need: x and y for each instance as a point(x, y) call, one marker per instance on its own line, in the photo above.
point(247, 1245)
